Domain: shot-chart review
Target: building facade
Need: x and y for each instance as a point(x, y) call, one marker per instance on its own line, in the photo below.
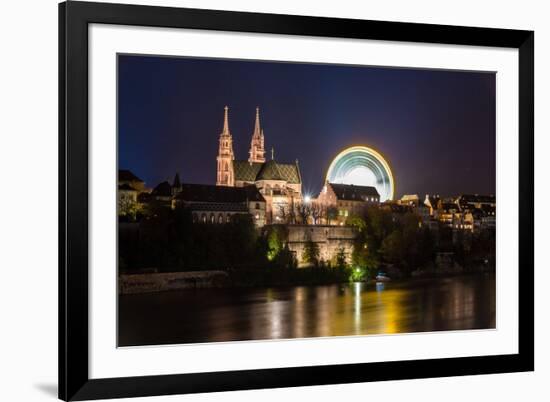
point(347, 199)
point(219, 204)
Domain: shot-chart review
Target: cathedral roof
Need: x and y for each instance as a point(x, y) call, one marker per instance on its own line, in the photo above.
point(246, 171)
point(271, 170)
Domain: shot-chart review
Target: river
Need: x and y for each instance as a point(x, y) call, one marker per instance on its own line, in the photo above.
point(216, 315)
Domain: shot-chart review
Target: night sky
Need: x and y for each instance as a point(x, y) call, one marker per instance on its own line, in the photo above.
point(435, 128)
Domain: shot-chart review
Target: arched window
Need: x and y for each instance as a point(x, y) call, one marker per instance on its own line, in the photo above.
point(220, 218)
point(228, 218)
point(203, 218)
point(195, 218)
point(212, 218)
point(226, 168)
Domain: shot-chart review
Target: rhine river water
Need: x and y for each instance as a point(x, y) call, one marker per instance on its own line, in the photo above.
point(218, 315)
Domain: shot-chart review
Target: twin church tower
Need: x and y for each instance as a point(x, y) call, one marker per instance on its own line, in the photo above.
point(279, 183)
point(226, 156)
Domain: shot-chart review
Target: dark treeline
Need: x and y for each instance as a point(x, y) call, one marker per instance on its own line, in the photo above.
point(168, 241)
point(401, 242)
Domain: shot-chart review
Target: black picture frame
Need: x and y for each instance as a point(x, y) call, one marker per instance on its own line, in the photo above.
point(74, 381)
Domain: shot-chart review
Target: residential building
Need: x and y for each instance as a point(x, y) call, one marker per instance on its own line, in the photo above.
point(128, 189)
point(348, 199)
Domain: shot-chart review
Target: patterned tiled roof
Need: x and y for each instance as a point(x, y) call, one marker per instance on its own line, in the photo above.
point(271, 170)
point(246, 171)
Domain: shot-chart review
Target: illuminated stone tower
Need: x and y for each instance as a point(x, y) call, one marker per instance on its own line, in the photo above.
point(225, 176)
point(257, 151)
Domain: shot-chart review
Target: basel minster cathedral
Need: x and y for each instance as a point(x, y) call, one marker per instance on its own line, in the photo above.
point(279, 183)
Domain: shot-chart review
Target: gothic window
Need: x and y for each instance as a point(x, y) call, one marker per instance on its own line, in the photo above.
point(212, 218)
point(220, 218)
point(203, 218)
point(226, 168)
point(228, 218)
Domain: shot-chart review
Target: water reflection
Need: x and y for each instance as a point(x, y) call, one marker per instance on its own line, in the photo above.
point(209, 315)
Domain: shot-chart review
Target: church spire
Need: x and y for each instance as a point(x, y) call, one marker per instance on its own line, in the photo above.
point(257, 129)
point(226, 121)
point(257, 151)
point(225, 174)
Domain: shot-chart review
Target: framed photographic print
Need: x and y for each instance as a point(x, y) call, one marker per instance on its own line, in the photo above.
point(257, 201)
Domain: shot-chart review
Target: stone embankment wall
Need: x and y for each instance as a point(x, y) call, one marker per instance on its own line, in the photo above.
point(157, 282)
point(329, 239)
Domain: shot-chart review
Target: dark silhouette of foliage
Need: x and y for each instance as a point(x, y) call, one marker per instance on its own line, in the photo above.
point(311, 253)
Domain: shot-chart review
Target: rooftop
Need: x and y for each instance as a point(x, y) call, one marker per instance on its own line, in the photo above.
point(270, 170)
point(352, 192)
point(204, 193)
point(126, 175)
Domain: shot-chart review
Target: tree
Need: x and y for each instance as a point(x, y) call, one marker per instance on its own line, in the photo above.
point(331, 213)
point(365, 254)
point(426, 247)
point(129, 208)
point(341, 258)
point(364, 259)
point(276, 237)
point(286, 258)
point(401, 246)
point(284, 213)
point(311, 253)
point(357, 222)
point(316, 212)
point(303, 210)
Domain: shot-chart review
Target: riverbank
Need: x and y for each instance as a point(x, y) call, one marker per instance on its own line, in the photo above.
point(158, 282)
point(274, 277)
